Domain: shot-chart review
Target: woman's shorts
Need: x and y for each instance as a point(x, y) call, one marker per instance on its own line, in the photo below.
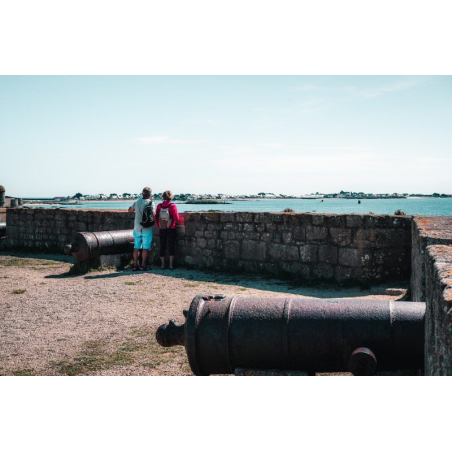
point(142, 239)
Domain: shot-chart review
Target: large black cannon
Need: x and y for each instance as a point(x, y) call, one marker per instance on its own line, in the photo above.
point(89, 245)
point(362, 336)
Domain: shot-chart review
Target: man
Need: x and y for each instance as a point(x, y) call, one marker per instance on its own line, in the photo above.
point(143, 236)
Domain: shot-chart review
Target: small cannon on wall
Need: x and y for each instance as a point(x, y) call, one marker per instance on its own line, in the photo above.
point(362, 336)
point(89, 245)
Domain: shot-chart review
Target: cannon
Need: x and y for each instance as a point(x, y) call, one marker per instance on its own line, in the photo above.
point(89, 245)
point(361, 336)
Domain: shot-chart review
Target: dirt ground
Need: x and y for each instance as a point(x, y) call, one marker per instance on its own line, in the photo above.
point(104, 323)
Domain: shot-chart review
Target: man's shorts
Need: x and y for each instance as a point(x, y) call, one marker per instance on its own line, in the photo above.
point(142, 239)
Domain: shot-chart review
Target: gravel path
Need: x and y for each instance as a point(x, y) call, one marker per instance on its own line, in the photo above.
point(104, 323)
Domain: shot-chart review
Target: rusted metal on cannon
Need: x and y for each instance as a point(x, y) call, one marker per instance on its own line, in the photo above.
point(362, 336)
point(89, 245)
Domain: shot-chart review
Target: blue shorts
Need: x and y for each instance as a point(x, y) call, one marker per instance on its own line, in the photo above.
point(142, 239)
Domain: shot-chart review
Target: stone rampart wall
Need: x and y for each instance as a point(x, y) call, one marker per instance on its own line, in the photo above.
point(426, 231)
point(50, 229)
point(438, 316)
point(364, 248)
point(361, 248)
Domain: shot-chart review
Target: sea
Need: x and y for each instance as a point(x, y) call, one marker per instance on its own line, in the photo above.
point(410, 206)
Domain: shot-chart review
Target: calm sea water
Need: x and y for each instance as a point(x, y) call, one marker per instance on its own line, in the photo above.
point(411, 206)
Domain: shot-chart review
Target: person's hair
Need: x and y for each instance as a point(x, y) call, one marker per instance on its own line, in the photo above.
point(167, 195)
point(147, 191)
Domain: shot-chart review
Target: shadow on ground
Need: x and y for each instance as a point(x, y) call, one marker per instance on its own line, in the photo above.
point(320, 290)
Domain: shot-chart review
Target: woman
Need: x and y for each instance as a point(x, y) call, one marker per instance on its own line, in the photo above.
point(166, 217)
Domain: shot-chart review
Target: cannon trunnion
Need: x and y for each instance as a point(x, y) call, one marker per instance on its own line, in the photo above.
point(362, 336)
point(89, 245)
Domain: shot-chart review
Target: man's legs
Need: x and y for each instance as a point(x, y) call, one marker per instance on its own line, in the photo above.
point(147, 242)
point(136, 248)
point(136, 254)
point(144, 258)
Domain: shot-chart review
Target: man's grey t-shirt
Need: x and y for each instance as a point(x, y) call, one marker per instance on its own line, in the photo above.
point(139, 206)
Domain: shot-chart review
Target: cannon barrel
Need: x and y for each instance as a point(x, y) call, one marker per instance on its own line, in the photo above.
point(362, 336)
point(89, 245)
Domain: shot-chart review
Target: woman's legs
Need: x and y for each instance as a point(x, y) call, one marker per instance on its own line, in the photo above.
point(163, 240)
point(172, 242)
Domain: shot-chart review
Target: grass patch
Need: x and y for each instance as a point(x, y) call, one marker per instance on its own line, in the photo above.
point(140, 348)
point(23, 262)
point(24, 373)
point(129, 283)
point(18, 291)
point(191, 285)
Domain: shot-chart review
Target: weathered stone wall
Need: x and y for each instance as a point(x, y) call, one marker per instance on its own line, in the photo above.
point(426, 231)
point(438, 316)
point(363, 248)
point(360, 248)
point(50, 229)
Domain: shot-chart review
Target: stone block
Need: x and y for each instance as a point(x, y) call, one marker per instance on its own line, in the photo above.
point(300, 271)
point(287, 237)
point(328, 254)
point(227, 217)
point(341, 237)
point(323, 271)
point(343, 273)
point(309, 253)
point(354, 221)
point(316, 233)
point(318, 220)
point(375, 221)
point(280, 252)
point(266, 236)
point(253, 250)
point(110, 260)
point(244, 217)
point(349, 257)
point(299, 233)
point(201, 242)
point(231, 249)
point(335, 221)
point(248, 227)
point(211, 216)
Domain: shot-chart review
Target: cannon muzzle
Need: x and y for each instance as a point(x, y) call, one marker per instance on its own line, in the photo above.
point(362, 336)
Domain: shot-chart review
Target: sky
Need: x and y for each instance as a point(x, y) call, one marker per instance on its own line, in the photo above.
point(60, 135)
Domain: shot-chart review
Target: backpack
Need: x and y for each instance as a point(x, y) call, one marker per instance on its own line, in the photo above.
point(147, 219)
point(164, 217)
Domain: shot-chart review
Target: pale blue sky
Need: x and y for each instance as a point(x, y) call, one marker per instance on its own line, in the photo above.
point(231, 134)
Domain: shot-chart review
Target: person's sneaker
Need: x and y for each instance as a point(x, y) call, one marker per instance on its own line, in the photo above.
point(145, 269)
point(136, 268)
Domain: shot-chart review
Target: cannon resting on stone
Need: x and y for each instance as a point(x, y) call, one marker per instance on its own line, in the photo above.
point(361, 336)
point(89, 245)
